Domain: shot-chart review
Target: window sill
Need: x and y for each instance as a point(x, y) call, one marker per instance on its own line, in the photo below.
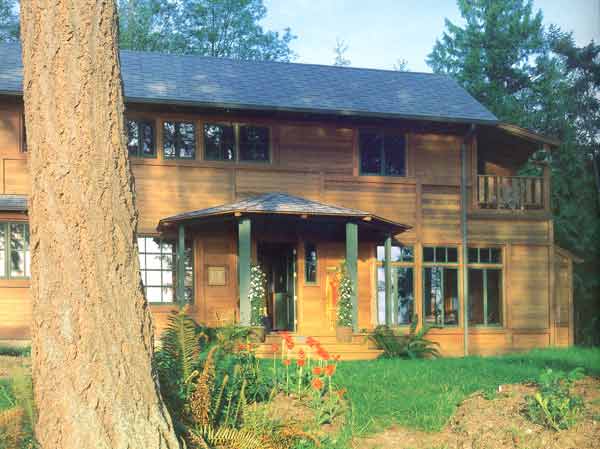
point(15, 283)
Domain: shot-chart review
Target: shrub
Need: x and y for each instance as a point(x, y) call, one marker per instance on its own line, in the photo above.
point(15, 351)
point(257, 296)
point(413, 345)
point(553, 405)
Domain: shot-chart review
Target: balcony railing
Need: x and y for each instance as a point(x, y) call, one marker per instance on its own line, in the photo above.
point(511, 192)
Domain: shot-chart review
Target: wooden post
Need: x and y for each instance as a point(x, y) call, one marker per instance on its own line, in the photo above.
point(180, 265)
point(244, 258)
point(352, 267)
point(388, 281)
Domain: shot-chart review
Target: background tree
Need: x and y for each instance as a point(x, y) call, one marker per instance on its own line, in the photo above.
point(92, 339)
point(9, 21)
point(539, 79)
point(401, 65)
point(340, 50)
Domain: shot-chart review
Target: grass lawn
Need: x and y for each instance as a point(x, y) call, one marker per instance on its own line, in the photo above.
point(423, 394)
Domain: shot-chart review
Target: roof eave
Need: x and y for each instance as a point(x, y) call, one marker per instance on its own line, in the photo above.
point(527, 134)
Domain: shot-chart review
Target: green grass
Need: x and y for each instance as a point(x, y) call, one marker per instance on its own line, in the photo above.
point(6, 396)
point(424, 394)
point(15, 351)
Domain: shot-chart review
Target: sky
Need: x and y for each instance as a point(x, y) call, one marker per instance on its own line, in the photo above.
point(380, 32)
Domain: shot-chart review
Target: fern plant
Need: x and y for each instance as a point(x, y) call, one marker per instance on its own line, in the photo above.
point(413, 345)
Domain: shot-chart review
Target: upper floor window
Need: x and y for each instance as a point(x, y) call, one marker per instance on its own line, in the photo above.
point(219, 142)
point(485, 286)
point(382, 153)
point(14, 250)
point(158, 268)
point(254, 143)
point(179, 140)
point(140, 138)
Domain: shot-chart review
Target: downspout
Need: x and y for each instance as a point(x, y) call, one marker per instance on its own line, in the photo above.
point(465, 249)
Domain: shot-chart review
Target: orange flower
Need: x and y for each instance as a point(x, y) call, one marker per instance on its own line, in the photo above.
point(337, 357)
point(317, 370)
point(323, 353)
point(301, 354)
point(275, 348)
point(330, 370)
point(287, 362)
point(341, 393)
point(287, 337)
point(300, 362)
point(290, 345)
point(242, 347)
point(311, 342)
point(317, 383)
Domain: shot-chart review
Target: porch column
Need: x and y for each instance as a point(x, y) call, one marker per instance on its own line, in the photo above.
point(389, 310)
point(352, 267)
point(244, 260)
point(180, 288)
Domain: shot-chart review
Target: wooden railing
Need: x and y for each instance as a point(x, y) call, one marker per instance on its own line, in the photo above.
point(511, 192)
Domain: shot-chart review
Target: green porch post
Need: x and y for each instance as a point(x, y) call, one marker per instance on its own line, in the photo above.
point(352, 266)
point(180, 289)
point(244, 256)
point(388, 281)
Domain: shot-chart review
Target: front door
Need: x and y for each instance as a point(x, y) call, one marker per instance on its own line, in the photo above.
point(278, 260)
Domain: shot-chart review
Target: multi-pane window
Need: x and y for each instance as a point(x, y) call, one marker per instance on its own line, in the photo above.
point(14, 250)
point(310, 262)
point(254, 143)
point(440, 286)
point(219, 142)
point(382, 153)
point(485, 286)
point(403, 299)
point(140, 138)
point(179, 140)
point(158, 268)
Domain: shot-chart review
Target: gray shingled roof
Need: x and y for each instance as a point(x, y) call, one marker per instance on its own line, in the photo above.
point(259, 85)
point(279, 203)
point(13, 203)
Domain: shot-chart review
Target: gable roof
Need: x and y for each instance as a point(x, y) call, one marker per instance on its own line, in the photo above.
point(261, 85)
point(277, 203)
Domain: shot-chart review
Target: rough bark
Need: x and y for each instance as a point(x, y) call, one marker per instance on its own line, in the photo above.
point(92, 334)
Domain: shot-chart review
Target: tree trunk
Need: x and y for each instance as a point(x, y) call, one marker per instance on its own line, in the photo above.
point(92, 333)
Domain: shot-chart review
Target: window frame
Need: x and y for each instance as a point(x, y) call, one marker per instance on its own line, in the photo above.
point(380, 264)
point(7, 251)
point(192, 122)
point(382, 133)
point(435, 264)
point(235, 141)
point(484, 267)
point(140, 153)
point(191, 269)
point(236, 136)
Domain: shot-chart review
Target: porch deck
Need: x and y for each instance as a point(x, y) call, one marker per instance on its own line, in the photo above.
point(360, 348)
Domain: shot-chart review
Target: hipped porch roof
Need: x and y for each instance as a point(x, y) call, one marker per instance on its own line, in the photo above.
point(277, 203)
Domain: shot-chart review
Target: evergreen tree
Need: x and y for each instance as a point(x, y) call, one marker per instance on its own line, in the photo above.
point(9, 21)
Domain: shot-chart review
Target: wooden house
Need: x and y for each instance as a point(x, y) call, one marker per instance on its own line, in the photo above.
point(298, 168)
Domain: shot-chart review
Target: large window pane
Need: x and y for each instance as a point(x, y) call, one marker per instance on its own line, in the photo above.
point(179, 140)
point(405, 294)
point(476, 296)
point(140, 138)
point(381, 295)
point(485, 296)
point(2, 250)
point(310, 262)
point(440, 296)
point(219, 142)
point(399, 253)
point(394, 155)
point(494, 296)
point(254, 143)
point(19, 249)
point(147, 138)
point(370, 145)
point(133, 137)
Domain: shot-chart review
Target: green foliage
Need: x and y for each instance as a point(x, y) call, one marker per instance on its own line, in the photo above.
point(340, 50)
point(413, 345)
point(17, 411)
point(344, 308)
point(15, 351)
point(230, 336)
point(257, 295)
point(553, 405)
point(9, 21)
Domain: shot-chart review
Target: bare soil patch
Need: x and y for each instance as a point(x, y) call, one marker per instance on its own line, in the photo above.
point(499, 423)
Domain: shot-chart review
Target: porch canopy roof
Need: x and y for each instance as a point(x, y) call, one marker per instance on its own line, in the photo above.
point(276, 203)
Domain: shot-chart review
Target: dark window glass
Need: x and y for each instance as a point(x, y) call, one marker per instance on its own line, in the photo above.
point(428, 254)
point(405, 295)
point(179, 140)
point(158, 269)
point(254, 143)
point(440, 296)
point(310, 262)
point(452, 255)
point(219, 142)
point(473, 255)
point(485, 296)
point(140, 138)
point(394, 156)
point(484, 255)
point(440, 254)
point(370, 145)
point(496, 255)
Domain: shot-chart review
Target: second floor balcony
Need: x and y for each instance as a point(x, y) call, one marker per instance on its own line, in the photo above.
point(517, 193)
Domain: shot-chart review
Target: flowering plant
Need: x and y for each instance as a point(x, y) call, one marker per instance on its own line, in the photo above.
point(257, 296)
point(344, 309)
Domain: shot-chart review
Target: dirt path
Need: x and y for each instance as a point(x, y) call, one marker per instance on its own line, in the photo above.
point(499, 424)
